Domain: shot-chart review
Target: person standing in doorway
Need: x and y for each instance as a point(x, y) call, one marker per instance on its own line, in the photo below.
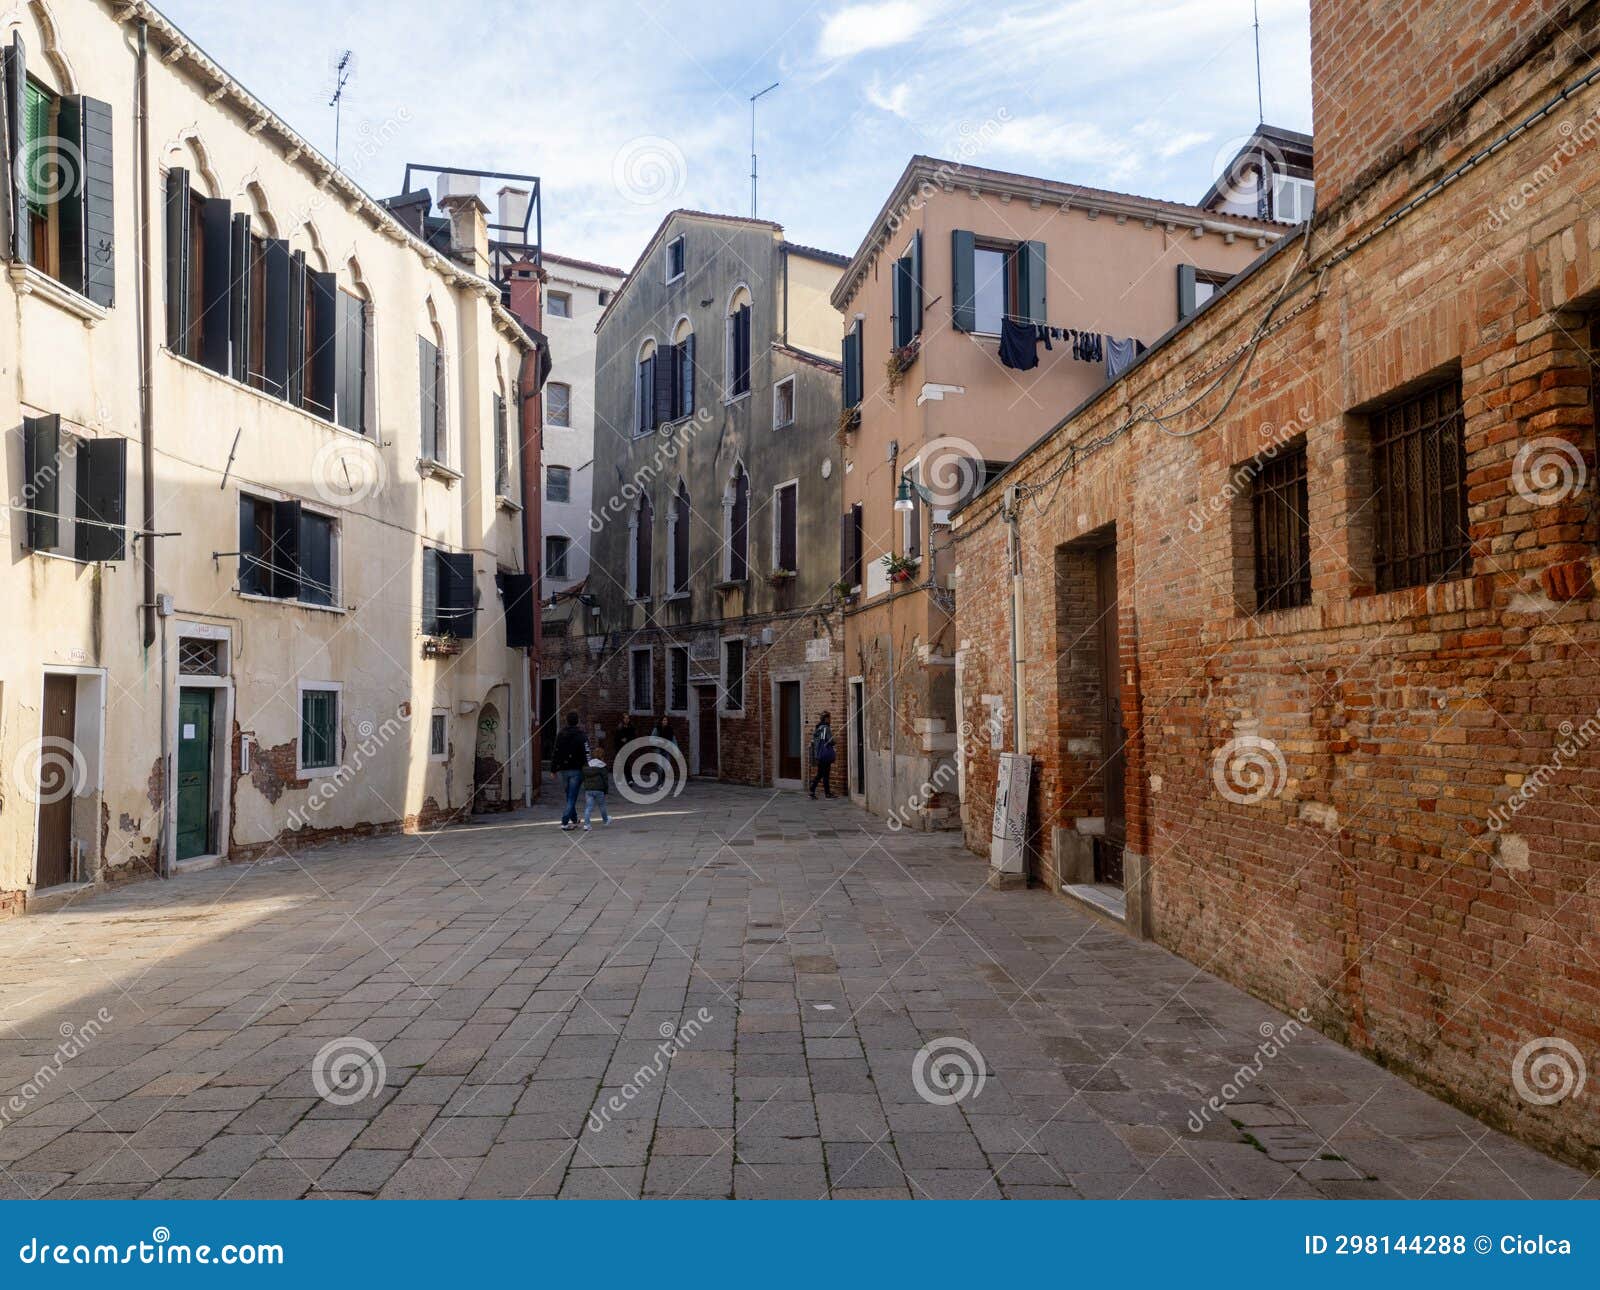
point(568, 759)
point(823, 753)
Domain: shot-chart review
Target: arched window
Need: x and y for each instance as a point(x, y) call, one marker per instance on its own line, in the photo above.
point(738, 343)
point(736, 526)
point(644, 389)
point(679, 518)
point(641, 526)
point(683, 401)
point(433, 406)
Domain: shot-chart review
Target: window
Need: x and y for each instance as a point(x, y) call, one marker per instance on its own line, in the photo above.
point(558, 404)
point(738, 344)
point(558, 304)
point(992, 280)
point(783, 403)
point(850, 546)
point(1195, 287)
point(682, 357)
point(350, 362)
point(675, 258)
point(62, 220)
point(449, 594)
point(1281, 531)
point(785, 527)
point(286, 552)
point(906, 277)
point(82, 482)
point(319, 728)
point(1419, 489)
point(678, 522)
point(439, 735)
point(1293, 199)
point(736, 527)
point(640, 547)
point(639, 678)
point(854, 384)
point(644, 390)
point(558, 483)
point(556, 550)
point(733, 675)
point(677, 678)
point(603, 297)
point(502, 448)
point(430, 385)
point(199, 657)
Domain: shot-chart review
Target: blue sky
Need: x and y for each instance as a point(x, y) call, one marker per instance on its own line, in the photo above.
point(626, 110)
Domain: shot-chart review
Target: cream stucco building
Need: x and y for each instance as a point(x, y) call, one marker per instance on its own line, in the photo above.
point(266, 602)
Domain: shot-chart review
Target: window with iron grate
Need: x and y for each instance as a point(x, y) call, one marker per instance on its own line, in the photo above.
point(1419, 470)
point(1279, 508)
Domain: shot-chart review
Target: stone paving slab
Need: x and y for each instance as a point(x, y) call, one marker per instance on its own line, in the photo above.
point(731, 993)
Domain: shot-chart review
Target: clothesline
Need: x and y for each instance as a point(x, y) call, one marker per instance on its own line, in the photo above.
point(1020, 338)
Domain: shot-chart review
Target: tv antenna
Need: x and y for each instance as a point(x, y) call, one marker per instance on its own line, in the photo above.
point(1261, 110)
point(753, 99)
point(341, 77)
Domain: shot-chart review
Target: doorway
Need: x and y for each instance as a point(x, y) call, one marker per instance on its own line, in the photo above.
point(195, 758)
point(858, 739)
point(790, 750)
point(59, 759)
point(549, 711)
point(1109, 847)
point(703, 737)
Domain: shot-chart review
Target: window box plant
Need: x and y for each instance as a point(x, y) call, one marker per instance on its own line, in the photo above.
point(899, 362)
point(900, 568)
point(441, 646)
point(780, 577)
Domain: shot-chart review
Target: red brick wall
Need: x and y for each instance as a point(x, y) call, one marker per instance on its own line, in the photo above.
point(1391, 879)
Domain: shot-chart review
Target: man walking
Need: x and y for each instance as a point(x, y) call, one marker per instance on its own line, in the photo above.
point(823, 753)
point(570, 755)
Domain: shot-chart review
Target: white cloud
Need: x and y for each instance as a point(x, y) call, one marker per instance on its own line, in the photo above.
point(894, 100)
point(1047, 141)
point(861, 27)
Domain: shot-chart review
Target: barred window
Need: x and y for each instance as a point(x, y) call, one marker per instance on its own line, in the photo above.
point(1280, 507)
point(1419, 470)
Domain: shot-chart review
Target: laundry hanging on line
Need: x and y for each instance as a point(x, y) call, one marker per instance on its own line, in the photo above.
point(1020, 339)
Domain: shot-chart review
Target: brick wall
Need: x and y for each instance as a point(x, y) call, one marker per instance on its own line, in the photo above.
point(1377, 807)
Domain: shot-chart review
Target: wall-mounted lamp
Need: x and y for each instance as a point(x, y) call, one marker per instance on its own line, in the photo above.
point(902, 497)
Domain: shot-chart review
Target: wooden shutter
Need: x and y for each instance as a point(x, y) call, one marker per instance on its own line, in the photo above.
point(852, 370)
point(850, 546)
point(430, 591)
point(16, 86)
point(1186, 291)
point(253, 580)
point(68, 140)
point(41, 452)
point(295, 387)
point(741, 349)
point(915, 257)
point(275, 350)
point(680, 541)
point(661, 377)
point(788, 543)
point(902, 302)
point(502, 449)
point(457, 594)
point(686, 380)
point(350, 345)
point(239, 296)
point(739, 530)
point(178, 260)
point(1031, 277)
point(99, 204)
point(428, 396)
point(323, 359)
point(963, 280)
point(316, 559)
point(102, 493)
point(516, 592)
point(216, 313)
point(284, 554)
point(644, 394)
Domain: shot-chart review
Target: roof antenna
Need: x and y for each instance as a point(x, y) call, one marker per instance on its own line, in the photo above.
point(753, 99)
point(341, 74)
point(1261, 111)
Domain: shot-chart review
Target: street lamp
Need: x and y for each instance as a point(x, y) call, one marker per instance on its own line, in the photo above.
point(902, 498)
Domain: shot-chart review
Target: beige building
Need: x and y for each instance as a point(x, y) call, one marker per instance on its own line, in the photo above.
point(264, 604)
point(932, 412)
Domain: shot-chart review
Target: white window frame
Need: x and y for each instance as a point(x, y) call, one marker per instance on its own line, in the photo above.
point(335, 551)
point(1305, 193)
point(777, 517)
point(649, 710)
point(559, 425)
point(793, 402)
point(549, 572)
point(673, 651)
point(553, 296)
point(722, 678)
point(681, 242)
point(435, 715)
point(550, 467)
point(302, 771)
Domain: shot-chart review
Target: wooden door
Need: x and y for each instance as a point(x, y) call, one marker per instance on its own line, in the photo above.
point(56, 783)
point(707, 695)
point(1108, 853)
point(858, 747)
point(791, 735)
point(194, 773)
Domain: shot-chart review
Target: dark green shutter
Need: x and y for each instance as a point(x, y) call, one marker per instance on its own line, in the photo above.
point(323, 359)
point(216, 312)
point(178, 268)
point(41, 453)
point(1186, 291)
point(661, 395)
point(296, 384)
point(516, 591)
point(99, 204)
point(316, 559)
point(852, 367)
point(16, 87)
point(66, 151)
point(275, 355)
point(430, 591)
point(239, 297)
point(963, 280)
point(916, 283)
point(686, 386)
point(428, 396)
point(457, 594)
point(102, 494)
point(1031, 281)
point(502, 450)
point(352, 396)
point(285, 552)
point(253, 579)
point(903, 299)
point(741, 332)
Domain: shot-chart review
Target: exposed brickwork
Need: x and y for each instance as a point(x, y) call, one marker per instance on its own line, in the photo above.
point(1418, 873)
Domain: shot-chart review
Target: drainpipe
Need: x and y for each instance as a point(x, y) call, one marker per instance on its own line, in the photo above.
point(526, 306)
point(1019, 723)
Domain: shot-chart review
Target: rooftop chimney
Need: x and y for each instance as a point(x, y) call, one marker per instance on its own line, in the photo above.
point(469, 230)
point(513, 211)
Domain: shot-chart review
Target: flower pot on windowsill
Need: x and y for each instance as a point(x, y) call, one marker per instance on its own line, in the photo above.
point(899, 363)
point(899, 568)
point(441, 646)
point(780, 578)
point(849, 419)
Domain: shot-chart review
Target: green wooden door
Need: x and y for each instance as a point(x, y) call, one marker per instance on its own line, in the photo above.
point(194, 773)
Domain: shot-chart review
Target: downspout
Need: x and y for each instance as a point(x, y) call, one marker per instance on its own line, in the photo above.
point(1019, 723)
point(530, 425)
point(147, 447)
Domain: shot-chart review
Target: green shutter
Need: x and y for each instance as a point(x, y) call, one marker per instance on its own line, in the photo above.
point(903, 302)
point(1186, 291)
point(1032, 281)
point(102, 499)
point(41, 459)
point(963, 278)
point(179, 265)
point(99, 214)
point(852, 374)
point(15, 85)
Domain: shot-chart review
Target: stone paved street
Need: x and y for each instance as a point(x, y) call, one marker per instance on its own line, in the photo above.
point(513, 979)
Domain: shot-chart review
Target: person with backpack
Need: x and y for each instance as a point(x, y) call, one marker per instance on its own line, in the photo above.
point(567, 759)
point(823, 753)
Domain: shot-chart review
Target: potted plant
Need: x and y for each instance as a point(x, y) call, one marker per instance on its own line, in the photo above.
point(900, 568)
point(899, 362)
point(849, 419)
point(441, 645)
point(845, 590)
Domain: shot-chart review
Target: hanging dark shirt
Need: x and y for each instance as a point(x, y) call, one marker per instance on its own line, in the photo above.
point(1019, 345)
